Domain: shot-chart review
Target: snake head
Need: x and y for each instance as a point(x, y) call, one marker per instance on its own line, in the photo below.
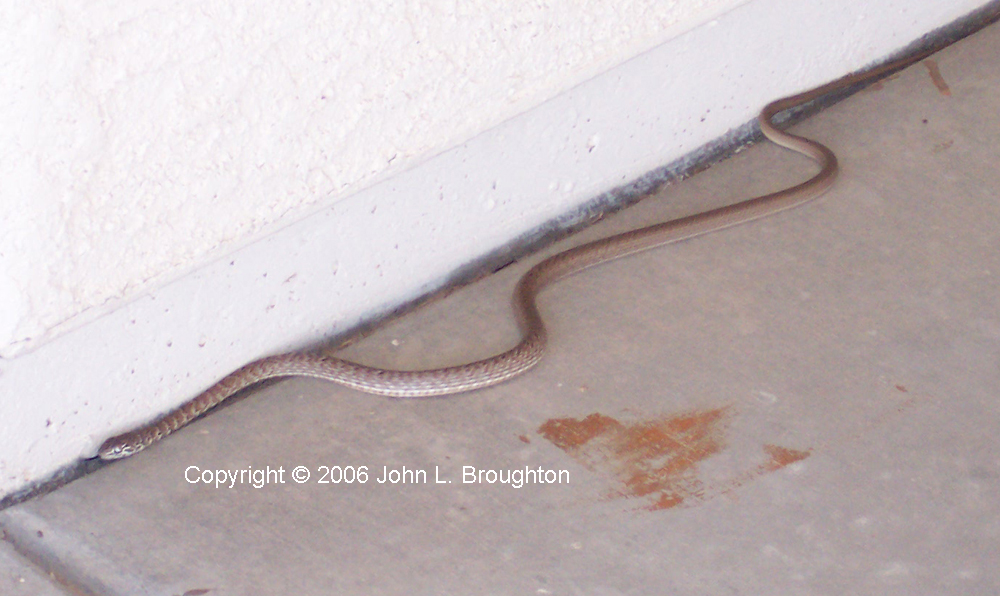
point(118, 448)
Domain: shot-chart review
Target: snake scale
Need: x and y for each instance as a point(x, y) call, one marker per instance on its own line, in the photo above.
point(528, 352)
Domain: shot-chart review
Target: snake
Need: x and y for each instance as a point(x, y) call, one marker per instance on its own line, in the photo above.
point(531, 347)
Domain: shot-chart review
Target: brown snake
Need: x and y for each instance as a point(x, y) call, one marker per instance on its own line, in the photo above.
point(528, 352)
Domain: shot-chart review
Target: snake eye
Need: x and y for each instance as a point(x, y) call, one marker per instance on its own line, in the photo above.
point(113, 451)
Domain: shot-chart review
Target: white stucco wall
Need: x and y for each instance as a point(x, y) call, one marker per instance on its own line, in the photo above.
point(142, 137)
point(192, 186)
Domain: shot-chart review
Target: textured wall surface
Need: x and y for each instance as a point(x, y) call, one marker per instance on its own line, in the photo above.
point(140, 138)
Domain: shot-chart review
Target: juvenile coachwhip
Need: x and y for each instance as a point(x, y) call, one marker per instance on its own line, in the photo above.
point(527, 353)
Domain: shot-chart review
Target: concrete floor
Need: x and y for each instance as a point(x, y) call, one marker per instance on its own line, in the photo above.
point(804, 405)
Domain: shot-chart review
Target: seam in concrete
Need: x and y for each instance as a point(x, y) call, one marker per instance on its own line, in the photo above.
point(73, 566)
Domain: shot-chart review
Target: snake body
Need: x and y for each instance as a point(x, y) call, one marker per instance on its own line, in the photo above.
point(528, 352)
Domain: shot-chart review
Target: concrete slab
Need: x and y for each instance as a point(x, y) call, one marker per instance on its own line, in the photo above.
point(804, 405)
point(19, 577)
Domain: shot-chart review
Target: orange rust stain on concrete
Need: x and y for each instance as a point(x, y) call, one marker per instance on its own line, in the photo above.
point(778, 458)
point(781, 457)
point(655, 459)
point(936, 78)
point(570, 433)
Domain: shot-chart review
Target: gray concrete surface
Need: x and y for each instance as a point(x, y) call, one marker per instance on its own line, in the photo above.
point(804, 405)
point(18, 577)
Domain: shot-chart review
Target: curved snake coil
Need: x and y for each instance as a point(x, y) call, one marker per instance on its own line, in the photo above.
point(528, 352)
